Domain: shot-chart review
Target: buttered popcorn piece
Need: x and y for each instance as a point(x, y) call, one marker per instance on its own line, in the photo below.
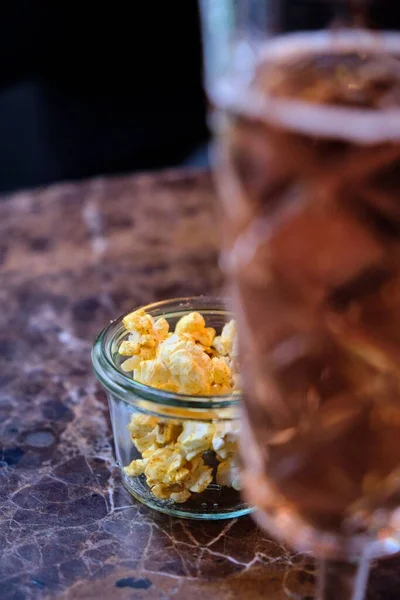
point(152, 372)
point(191, 360)
point(221, 372)
point(194, 325)
point(175, 493)
point(228, 473)
point(136, 468)
point(225, 439)
point(176, 484)
point(161, 329)
point(196, 438)
point(144, 337)
point(149, 433)
point(189, 366)
point(139, 321)
point(166, 466)
point(141, 425)
point(172, 460)
point(200, 476)
point(225, 343)
point(131, 363)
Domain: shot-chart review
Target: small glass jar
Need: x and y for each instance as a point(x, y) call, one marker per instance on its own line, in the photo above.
point(129, 398)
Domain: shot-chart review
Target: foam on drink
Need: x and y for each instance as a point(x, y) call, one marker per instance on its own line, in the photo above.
point(361, 126)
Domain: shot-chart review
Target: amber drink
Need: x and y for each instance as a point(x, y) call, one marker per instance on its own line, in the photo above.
point(309, 174)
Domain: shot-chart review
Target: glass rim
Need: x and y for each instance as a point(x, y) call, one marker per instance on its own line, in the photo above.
point(127, 389)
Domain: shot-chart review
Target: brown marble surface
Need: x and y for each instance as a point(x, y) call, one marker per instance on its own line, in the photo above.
point(71, 258)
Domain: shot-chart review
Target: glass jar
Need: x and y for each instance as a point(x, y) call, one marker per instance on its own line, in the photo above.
point(133, 402)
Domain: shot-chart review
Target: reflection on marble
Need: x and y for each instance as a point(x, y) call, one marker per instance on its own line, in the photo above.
point(71, 258)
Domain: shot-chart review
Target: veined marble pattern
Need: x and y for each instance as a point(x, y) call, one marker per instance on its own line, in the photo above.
point(72, 257)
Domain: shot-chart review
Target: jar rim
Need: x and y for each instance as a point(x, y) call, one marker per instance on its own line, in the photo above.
point(126, 388)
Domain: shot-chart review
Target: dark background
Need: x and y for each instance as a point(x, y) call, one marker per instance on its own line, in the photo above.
point(292, 15)
point(88, 88)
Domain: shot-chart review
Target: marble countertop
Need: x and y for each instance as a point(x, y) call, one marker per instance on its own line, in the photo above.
point(72, 257)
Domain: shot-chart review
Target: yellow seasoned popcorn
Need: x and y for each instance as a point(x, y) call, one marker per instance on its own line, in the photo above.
point(166, 466)
point(148, 433)
point(152, 372)
point(168, 473)
point(161, 329)
point(194, 325)
point(144, 338)
point(146, 444)
point(221, 372)
point(200, 476)
point(228, 473)
point(172, 455)
point(196, 438)
point(225, 439)
point(131, 363)
point(167, 432)
point(136, 468)
point(190, 360)
point(190, 375)
point(142, 425)
point(139, 321)
point(176, 493)
point(225, 343)
point(189, 366)
point(181, 496)
point(144, 348)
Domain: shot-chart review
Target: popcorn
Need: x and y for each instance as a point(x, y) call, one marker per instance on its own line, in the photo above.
point(149, 433)
point(221, 372)
point(139, 321)
point(200, 476)
point(190, 360)
point(225, 439)
point(190, 375)
point(181, 496)
point(136, 468)
point(141, 425)
point(131, 364)
point(161, 491)
point(164, 492)
point(224, 343)
point(189, 366)
point(161, 329)
point(167, 432)
point(170, 476)
point(146, 443)
point(194, 325)
point(228, 473)
point(145, 348)
point(196, 438)
point(152, 372)
point(172, 460)
point(166, 466)
point(145, 335)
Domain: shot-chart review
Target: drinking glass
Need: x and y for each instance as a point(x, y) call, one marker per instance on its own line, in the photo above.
point(305, 103)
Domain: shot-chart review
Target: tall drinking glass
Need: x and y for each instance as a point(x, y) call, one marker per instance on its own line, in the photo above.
point(306, 107)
